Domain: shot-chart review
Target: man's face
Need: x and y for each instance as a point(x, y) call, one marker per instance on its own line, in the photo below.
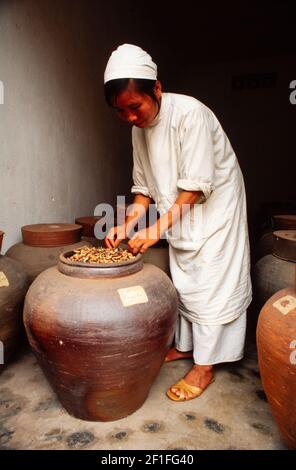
point(136, 108)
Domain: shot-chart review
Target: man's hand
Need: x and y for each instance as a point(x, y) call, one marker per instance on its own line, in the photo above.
point(115, 236)
point(143, 239)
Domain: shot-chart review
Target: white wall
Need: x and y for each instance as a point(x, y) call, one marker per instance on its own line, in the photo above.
point(58, 150)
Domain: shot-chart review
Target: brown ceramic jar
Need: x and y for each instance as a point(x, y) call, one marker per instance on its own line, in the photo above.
point(275, 271)
point(157, 254)
point(276, 343)
point(13, 287)
point(42, 245)
point(277, 222)
point(88, 226)
point(101, 333)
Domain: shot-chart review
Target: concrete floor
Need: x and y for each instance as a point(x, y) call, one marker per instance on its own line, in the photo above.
point(232, 414)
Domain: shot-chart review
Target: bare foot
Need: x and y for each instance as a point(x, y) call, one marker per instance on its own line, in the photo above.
point(174, 355)
point(198, 376)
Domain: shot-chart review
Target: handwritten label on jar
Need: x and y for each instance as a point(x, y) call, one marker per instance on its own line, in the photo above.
point(285, 304)
point(3, 280)
point(133, 296)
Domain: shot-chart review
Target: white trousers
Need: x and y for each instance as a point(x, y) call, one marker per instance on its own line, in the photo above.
point(212, 344)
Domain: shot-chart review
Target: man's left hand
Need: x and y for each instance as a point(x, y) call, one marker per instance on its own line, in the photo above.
point(143, 239)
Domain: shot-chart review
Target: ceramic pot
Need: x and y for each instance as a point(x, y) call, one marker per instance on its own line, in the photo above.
point(101, 333)
point(275, 271)
point(13, 287)
point(42, 245)
point(276, 343)
point(277, 222)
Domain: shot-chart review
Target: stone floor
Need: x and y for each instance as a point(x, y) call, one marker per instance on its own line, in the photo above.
point(232, 414)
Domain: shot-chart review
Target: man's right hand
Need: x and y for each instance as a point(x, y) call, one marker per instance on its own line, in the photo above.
point(115, 236)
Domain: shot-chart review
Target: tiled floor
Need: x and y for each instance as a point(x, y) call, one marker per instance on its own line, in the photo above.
point(232, 414)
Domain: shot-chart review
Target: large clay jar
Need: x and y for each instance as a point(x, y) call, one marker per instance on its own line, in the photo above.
point(158, 255)
point(42, 245)
point(264, 218)
point(101, 333)
point(88, 225)
point(13, 287)
point(275, 271)
point(276, 343)
point(277, 222)
point(89, 222)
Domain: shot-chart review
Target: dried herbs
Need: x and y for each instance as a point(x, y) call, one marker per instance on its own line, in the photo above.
point(101, 255)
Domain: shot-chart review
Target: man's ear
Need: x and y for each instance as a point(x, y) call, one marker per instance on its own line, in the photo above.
point(157, 89)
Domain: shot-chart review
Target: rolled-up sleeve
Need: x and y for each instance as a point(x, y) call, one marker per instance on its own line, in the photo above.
point(196, 159)
point(139, 179)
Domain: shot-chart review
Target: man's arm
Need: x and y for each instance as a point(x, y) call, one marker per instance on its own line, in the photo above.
point(142, 240)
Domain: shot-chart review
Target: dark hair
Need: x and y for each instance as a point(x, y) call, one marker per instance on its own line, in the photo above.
point(141, 85)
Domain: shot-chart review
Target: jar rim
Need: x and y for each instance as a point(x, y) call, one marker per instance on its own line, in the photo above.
point(64, 259)
point(98, 270)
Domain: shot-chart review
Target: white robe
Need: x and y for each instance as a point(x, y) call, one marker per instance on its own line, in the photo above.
point(185, 148)
point(212, 344)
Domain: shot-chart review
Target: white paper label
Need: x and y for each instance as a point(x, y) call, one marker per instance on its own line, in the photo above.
point(285, 304)
point(3, 280)
point(132, 296)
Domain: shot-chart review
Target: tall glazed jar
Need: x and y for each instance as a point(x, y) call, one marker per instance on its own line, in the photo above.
point(276, 343)
point(101, 333)
point(13, 287)
point(277, 222)
point(42, 245)
point(275, 271)
point(88, 228)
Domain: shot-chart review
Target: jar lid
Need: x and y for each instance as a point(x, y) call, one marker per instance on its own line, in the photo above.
point(88, 224)
point(44, 235)
point(284, 221)
point(284, 244)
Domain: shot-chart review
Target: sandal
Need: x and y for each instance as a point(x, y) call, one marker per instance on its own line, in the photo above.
point(187, 391)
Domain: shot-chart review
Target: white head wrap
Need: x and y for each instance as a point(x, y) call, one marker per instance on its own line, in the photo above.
point(130, 61)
